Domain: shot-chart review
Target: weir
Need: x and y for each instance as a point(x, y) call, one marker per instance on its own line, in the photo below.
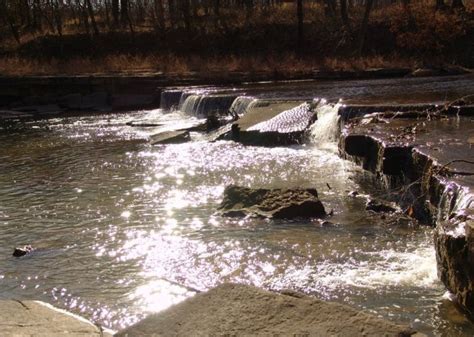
point(242, 105)
point(170, 98)
point(205, 105)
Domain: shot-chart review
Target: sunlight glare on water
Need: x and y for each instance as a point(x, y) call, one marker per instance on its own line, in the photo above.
point(125, 228)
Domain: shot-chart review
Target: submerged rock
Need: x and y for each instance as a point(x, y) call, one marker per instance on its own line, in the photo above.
point(22, 251)
point(454, 242)
point(242, 310)
point(170, 137)
point(379, 206)
point(271, 203)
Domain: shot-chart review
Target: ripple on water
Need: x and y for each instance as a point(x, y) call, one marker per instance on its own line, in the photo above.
point(127, 229)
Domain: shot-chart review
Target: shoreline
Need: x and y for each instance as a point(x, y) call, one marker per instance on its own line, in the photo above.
point(38, 97)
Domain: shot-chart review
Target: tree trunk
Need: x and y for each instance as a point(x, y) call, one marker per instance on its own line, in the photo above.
point(123, 12)
point(457, 4)
point(216, 13)
point(186, 11)
point(344, 15)
point(58, 20)
point(37, 15)
point(248, 9)
point(160, 14)
point(329, 8)
point(115, 12)
point(90, 11)
point(365, 22)
point(440, 5)
point(7, 17)
point(300, 18)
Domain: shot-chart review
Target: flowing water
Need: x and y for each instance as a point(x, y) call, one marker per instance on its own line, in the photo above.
point(124, 228)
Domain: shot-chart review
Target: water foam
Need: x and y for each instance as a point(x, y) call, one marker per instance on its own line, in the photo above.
point(325, 131)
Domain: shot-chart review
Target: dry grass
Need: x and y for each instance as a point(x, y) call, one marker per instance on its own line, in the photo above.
point(288, 64)
point(367, 62)
point(262, 43)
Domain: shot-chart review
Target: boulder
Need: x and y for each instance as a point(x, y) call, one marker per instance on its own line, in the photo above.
point(271, 203)
point(242, 310)
point(454, 242)
point(170, 137)
point(379, 206)
point(22, 251)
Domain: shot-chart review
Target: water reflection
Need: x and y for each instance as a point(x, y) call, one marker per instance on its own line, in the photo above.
point(125, 229)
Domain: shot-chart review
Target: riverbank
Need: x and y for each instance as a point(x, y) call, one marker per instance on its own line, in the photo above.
point(50, 95)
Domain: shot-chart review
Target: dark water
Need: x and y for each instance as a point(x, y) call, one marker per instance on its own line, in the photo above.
point(125, 228)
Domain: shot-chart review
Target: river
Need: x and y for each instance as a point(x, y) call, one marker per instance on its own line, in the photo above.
point(124, 228)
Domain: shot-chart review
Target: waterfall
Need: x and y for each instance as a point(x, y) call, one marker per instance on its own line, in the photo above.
point(170, 99)
point(215, 105)
point(191, 104)
point(204, 105)
point(326, 129)
point(242, 105)
point(183, 98)
point(454, 200)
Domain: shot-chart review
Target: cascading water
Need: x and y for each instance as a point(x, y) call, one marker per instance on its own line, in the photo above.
point(183, 98)
point(214, 105)
point(191, 104)
point(325, 131)
point(204, 105)
point(242, 104)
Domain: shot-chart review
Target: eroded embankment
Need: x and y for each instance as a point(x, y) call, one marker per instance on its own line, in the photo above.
point(425, 158)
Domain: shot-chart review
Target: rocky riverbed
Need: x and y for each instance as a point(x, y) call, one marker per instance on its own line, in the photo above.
point(417, 159)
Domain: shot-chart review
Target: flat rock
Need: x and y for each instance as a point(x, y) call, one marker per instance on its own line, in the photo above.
point(10, 114)
point(271, 203)
point(241, 310)
point(274, 123)
point(430, 161)
point(170, 137)
point(39, 109)
point(34, 318)
point(454, 243)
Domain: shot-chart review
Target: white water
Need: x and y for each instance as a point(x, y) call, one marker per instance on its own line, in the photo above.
point(242, 105)
point(325, 131)
point(190, 104)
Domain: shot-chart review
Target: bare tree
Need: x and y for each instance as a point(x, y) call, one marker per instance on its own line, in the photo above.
point(300, 18)
point(365, 22)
